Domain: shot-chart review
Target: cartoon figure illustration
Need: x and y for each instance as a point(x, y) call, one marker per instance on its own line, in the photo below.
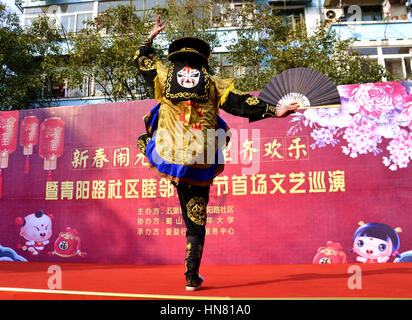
point(375, 242)
point(36, 228)
point(67, 244)
point(332, 253)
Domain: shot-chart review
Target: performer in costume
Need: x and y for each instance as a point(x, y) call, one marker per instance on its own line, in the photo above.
point(177, 144)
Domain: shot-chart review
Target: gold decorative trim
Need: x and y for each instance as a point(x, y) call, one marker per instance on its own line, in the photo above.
point(270, 111)
point(142, 147)
point(196, 210)
point(252, 101)
point(145, 63)
point(238, 92)
point(188, 50)
point(147, 42)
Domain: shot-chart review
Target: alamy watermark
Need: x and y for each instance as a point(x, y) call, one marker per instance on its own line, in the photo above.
point(355, 280)
point(55, 280)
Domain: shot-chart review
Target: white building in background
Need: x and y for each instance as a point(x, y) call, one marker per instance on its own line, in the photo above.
point(388, 39)
point(383, 30)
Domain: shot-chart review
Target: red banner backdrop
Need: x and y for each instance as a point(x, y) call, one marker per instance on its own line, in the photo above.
point(294, 190)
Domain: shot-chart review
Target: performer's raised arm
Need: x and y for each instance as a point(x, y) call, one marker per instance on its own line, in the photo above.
point(144, 59)
point(246, 105)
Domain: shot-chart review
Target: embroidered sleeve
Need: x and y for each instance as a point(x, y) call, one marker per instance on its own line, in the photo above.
point(245, 105)
point(144, 60)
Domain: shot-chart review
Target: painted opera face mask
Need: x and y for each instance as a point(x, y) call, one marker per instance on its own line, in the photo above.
point(188, 77)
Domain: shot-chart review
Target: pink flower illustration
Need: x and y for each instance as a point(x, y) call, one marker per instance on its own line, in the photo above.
point(361, 137)
point(369, 114)
point(374, 99)
point(400, 149)
point(406, 115)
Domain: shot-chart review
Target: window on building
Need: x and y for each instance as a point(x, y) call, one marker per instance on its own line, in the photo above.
point(68, 23)
point(99, 89)
point(408, 67)
point(68, 17)
point(365, 51)
point(397, 60)
point(291, 16)
point(28, 22)
point(59, 91)
point(82, 18)
point(103, 6)
point(139, 4)
point(394, 66)
point(369, 13)
point(36, 10)
point(224, 66)
point(399, 66)
point(151, 4)
point(237, 8)
point(396, 50)
point(83, 91)
point(76, 7)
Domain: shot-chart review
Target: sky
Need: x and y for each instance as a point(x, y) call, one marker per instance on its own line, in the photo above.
point(11, 5)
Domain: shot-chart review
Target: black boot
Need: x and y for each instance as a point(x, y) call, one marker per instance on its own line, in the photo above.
point(193, 201)
point(193, 257)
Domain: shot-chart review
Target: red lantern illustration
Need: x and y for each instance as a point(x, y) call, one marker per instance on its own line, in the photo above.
point(332, 253)
point(29, 136)
point(51, 144)
point(68, 244)
point(8, 139)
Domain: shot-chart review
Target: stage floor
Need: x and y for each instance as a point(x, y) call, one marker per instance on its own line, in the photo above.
point(20, 280)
